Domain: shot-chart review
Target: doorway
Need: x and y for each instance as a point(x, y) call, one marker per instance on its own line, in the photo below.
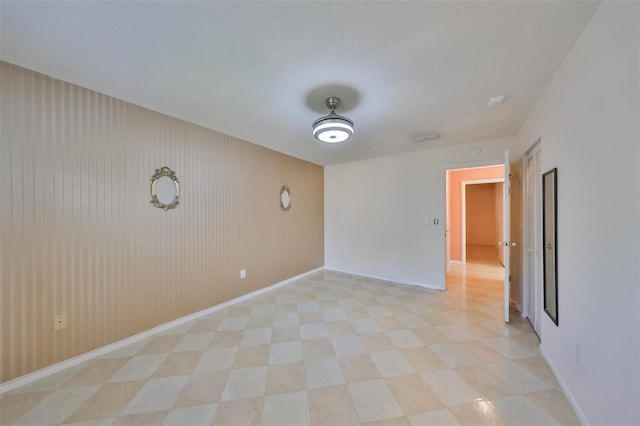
point(474, 229)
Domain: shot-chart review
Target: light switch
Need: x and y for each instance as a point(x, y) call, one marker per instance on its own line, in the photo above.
point(427, 221)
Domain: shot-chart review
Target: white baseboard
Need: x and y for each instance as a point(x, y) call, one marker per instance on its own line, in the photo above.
point(87, 356)
point(411, 283)
point(565, 389)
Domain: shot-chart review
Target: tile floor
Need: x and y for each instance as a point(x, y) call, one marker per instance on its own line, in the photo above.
point(328, 349)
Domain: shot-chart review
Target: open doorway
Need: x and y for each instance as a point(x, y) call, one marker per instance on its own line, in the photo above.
point(457, 181)
point(474, 232)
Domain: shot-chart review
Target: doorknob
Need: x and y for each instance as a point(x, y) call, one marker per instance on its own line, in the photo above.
point(507, 244)
point(548, 246)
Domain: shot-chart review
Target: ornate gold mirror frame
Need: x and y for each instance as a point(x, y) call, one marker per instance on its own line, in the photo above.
point(285, 198)
point(165, 198)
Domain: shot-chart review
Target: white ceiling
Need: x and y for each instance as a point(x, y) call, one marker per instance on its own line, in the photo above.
point(261, 70)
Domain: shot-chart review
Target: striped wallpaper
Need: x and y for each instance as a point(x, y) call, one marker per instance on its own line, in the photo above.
point(80, 236)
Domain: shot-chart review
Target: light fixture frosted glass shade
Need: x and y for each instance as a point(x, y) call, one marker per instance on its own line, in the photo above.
point(332, 128)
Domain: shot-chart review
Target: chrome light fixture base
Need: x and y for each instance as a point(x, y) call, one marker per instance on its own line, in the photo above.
point(332, 128)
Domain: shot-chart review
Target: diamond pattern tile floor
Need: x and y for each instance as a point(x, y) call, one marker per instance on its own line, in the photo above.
point(328, 349)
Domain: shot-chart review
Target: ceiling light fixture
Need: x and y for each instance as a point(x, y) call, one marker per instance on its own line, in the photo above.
point(496, 101)
point(332, 128)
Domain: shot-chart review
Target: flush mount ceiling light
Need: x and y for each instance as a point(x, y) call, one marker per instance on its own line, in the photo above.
point(332, 128)
point(496, 101)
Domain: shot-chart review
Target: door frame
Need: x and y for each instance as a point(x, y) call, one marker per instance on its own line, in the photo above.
point(463, 213)
point(446, 168)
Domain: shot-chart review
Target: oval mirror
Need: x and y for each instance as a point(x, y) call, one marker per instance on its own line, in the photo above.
point(285, 198)
point(164, 189)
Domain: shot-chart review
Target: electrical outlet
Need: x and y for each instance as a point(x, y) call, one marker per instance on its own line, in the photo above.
point(243, 273)
point(60, 321)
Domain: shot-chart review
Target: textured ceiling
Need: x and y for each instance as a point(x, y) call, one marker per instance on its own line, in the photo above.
point(261, 70)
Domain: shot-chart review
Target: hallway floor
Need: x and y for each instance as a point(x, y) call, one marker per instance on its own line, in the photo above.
point(328, 349)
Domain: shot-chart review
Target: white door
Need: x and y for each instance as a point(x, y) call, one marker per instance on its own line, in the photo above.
point(506, 240)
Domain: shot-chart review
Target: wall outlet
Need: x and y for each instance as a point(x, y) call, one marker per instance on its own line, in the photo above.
point(243, 273)
point(60, 321)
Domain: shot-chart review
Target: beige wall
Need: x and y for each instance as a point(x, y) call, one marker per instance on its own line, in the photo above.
point(481, 214)
point(79, 235)
point(454, 222)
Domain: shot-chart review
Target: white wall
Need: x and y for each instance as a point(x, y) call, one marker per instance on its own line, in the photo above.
point(588, 120)
point(375, 212)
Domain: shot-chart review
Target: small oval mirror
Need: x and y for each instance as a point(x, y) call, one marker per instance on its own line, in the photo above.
point(164, 189)
point(285, 198)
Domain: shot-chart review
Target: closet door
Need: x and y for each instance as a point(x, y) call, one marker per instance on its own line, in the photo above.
point(533, 237)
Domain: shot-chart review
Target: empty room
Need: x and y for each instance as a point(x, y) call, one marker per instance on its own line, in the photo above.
point(319, 213)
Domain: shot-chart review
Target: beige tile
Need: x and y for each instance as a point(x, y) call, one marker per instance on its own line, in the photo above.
point(348, 345)
point(389, 323)
point(522, 380)
point(430, 335)
point(413, 394)
point(244, 383)
point(58, 406)
point(374, 401)
point(317, 349)
point(377, 342)
point(202, 389)
point(206, 325)
point(309, 317)
point(239, 412)
point(260, 321)
point(220, 359)
point(316, 330)
point(285, 352)
point(194, 342)
point(160, 345)
point(286, 308)
point(108, 401)
point(422, 359)
point(404, 339)
point(285, 334)
point(196, 415)
point(519, 410)
point(237, 311)
point(226, 339)
point(359, 368)
point(252, 356)
point(13, 406)
point(340, 328)
point(450, 387)
point(539, 368)
point(98, 371)
point(392, 363)
point(396, 421)
point(156, 395)
point(285, 378)
point(146, 419)
point(478, 413)
point(178, 364)
point(287, 409)
point(256, 336)
point(441, 417)
point(321, 373)
point(453, 355)
point(489, 385)
point(480, 351)
point(332, 406)
point(554, 403)
point(139, 367)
